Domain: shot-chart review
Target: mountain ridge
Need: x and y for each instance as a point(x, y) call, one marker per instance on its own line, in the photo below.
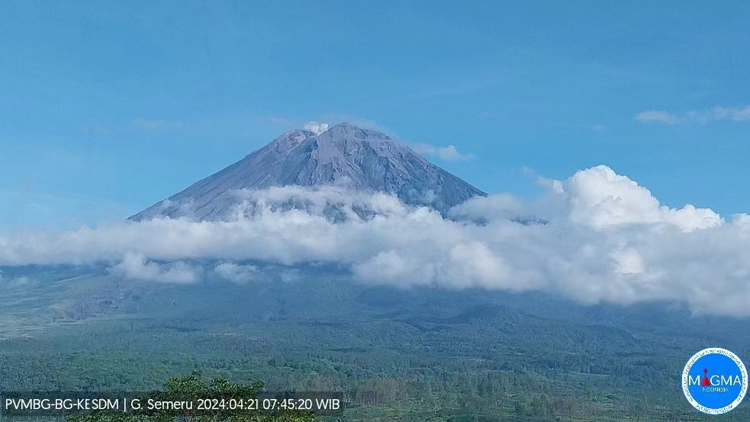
point(345, 155)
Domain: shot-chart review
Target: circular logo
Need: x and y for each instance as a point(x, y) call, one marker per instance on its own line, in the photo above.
point(714, 381)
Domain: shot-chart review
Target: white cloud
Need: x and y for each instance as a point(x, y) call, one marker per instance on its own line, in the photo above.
point(316, 127)
point(137, 267)
point(491, 207)
point(735, 114)
point(601, 198)
point(449, 153)
point(609, 240)
point(658, 116)
point(235, 273)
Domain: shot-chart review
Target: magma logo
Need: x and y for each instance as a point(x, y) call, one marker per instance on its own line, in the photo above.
point(714, 381)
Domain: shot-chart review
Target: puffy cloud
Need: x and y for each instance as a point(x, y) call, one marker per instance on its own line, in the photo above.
point(601, 198)
point(449, 153)
point(490, 207)
point(608, 240)
point(137, 267)
point(734, 114)
point(316, 127)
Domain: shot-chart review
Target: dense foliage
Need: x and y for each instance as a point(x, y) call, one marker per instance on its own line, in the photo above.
point(417, 355)
point(193, 387)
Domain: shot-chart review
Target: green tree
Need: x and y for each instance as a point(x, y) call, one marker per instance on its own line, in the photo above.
point(194, 387)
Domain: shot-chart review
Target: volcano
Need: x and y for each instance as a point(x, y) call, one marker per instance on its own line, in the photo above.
point(344, 155)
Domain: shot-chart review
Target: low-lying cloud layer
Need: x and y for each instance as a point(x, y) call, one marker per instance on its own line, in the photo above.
point(608, 239)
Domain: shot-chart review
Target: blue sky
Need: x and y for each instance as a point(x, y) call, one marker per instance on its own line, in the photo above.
point(108, 107)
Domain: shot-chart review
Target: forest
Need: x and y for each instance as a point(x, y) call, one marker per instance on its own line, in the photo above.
point(398, 355)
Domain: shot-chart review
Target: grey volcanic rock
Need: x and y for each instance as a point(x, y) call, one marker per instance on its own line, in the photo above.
point(344, 155)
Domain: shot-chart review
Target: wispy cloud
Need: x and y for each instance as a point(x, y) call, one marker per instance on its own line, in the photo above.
point(236, 273)
point(734, 114)
point(599, 128)
point(658, 116)
point(448, 153)
point(11, 282)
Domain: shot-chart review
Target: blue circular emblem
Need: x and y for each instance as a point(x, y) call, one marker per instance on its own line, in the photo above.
point(714, 381)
